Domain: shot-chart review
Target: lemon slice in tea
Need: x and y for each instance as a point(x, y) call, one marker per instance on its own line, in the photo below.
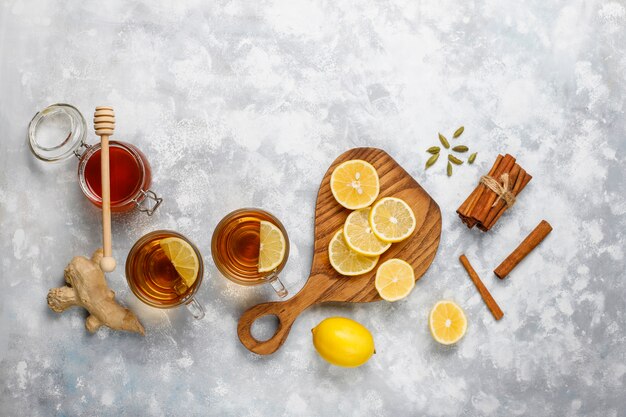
point(359, 235)
point(345, 260)
point(392, 219)
point(447, 322)
point(395, 279)
point(273, 246)
point(183, 257)
point(354, 184)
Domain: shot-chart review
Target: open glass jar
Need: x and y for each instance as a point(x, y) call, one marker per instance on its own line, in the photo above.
point(59, 131)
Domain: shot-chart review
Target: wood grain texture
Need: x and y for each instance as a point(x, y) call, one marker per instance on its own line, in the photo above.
point(324, 283)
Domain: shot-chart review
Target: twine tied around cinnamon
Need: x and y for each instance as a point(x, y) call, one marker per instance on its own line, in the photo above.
point(502, 191)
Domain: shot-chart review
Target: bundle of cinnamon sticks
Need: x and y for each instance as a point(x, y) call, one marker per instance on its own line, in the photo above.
point(495, 193)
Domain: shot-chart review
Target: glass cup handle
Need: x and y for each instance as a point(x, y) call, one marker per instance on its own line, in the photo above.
point(278, 286)
point(149, 195)
point(195, 308)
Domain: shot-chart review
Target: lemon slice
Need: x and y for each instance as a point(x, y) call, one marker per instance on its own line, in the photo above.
point(392, 219)
point(447, 322)
point(183, 257)
point(394, 279)
point(354, 184)
point(272, 247)
point(359, 236)
point(345, 260)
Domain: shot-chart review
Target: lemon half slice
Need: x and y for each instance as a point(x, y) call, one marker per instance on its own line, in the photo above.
point(395, 279)
point(359, 235)
point(392, 219)
point(447, 322)
point(345, 260)
point(355, 184)
point(183, 257)
point(272, 247)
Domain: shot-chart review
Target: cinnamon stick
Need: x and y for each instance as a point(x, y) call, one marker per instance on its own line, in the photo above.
point(489, 198)
point(517, 188)
point(465, 209)
point(484, 191)
point(484, 292)
point(532, 240)
point(514, 176)
point(484, 206)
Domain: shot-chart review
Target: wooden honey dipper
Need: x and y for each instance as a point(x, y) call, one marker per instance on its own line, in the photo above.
point(104, 124)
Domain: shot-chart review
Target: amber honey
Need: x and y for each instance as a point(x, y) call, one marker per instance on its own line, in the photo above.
point(125, 173)
point(151, 275)
point(235, 246)
point(129, 172)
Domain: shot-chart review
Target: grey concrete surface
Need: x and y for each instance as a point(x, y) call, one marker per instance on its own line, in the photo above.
point(246, 104)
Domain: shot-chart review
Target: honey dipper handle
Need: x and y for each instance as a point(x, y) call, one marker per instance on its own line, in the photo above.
point(104, 124)
point(285, 311)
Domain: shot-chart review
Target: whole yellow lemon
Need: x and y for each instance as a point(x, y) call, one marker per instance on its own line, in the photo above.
point(343, 342)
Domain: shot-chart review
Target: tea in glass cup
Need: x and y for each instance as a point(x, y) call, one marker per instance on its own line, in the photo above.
point(164, 270)
point(250, 247)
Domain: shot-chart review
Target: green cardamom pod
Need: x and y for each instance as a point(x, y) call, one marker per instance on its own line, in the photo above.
point(449, 169)
point(432, 160)
point(454, 160)
point(471, 158)
point(444, 141)
point(433, 149)
point(458, 132)
point(460, 148)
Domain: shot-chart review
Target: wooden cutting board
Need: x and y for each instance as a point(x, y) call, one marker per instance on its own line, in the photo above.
point(325, 284)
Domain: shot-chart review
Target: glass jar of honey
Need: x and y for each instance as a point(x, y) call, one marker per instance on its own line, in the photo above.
point(59, 131)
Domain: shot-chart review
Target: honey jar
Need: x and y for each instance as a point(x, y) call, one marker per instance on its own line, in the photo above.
point(59, 131)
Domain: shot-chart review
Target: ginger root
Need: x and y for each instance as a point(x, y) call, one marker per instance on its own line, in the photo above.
point(87, 288)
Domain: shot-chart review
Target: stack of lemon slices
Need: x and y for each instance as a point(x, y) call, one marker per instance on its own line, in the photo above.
point(370, 229)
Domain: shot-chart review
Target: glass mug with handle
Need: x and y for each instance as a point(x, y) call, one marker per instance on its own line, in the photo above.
point(250, 247)
point(164, 270)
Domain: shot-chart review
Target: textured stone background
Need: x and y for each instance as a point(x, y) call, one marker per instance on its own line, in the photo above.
point(241, 104)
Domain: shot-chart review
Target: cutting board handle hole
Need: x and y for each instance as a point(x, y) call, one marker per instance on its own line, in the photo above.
point(265, 327)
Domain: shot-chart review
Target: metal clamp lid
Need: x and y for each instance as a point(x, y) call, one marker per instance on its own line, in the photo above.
point(57, 132)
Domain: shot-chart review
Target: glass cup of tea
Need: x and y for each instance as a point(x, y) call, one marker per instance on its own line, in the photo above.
point(164, 270)
point(251, 247)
